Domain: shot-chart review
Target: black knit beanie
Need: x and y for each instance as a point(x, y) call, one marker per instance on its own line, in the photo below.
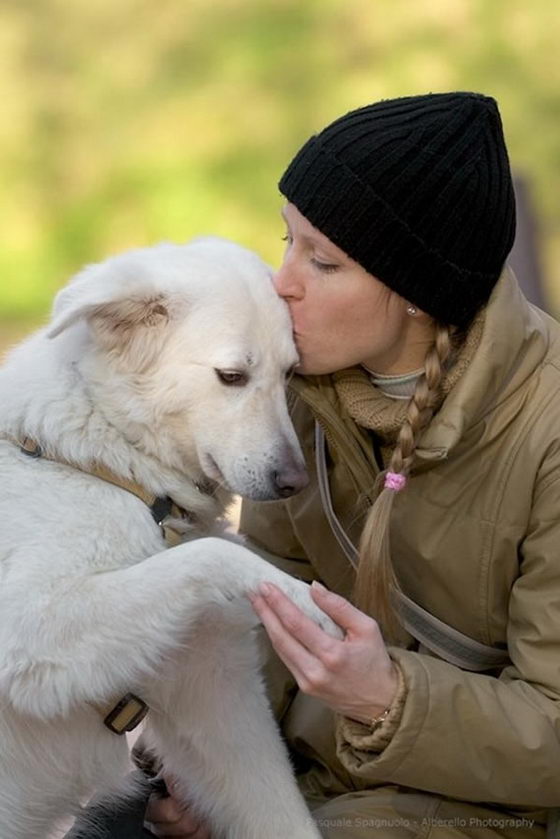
point(418, 191)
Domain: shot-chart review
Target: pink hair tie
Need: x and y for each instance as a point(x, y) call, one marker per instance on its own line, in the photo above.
point(393, 480)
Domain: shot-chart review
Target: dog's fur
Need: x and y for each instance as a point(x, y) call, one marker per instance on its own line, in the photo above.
point(92, 604)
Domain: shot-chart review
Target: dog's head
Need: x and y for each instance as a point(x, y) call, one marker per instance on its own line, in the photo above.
point(186, 349)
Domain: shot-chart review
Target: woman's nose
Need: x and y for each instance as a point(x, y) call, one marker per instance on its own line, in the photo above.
point(287, 283)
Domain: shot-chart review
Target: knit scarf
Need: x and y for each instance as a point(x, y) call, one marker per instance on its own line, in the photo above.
point(373, 409)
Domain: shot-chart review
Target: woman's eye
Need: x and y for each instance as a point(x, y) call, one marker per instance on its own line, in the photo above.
point(326, 267)
point(232, 377)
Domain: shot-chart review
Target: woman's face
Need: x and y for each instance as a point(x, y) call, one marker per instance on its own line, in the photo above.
point(343, 316)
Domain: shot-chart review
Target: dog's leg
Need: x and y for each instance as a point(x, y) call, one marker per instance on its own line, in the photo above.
point(114, 631)
point(221, 743)
point(109, 633)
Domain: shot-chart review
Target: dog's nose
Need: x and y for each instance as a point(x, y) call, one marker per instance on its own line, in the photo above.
point(289, 481)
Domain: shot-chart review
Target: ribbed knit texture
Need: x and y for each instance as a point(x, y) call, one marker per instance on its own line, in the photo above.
point(418, 191)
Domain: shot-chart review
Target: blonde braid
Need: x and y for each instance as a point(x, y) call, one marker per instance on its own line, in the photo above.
point(376, 580)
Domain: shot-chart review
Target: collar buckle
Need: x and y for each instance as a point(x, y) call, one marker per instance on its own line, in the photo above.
point(126, 715)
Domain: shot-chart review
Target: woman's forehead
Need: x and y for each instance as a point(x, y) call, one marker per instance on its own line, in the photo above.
point(306, 230)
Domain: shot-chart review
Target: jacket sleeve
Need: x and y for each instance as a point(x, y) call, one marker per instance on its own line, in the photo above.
point(494, 739)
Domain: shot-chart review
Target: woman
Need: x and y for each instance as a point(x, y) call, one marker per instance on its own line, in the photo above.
point(428, 405)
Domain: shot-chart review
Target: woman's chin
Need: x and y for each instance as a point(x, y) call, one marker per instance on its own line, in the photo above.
point(303, 367)
point(311, 364)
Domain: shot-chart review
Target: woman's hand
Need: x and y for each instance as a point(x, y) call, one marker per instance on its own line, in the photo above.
point(355, 676)
point(167, 817)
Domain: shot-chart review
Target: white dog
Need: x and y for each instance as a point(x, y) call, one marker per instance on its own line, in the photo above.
point(161, 376)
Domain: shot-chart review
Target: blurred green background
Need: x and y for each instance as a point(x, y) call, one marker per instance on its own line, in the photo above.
point(124, 122)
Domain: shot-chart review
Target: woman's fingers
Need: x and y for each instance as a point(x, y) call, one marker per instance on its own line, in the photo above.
point(344, 613)
point(293, 654)
point(294, 621)
point(177, 832)
point(167, 817)
point(167, 810)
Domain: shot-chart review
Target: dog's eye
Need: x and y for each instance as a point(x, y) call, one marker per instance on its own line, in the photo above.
point(232, 377)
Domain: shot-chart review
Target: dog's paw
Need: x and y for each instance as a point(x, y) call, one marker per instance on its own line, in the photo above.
point(300, 594)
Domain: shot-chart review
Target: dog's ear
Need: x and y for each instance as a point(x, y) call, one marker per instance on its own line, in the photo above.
point(132, 328)
point(114, 320)
point(115, 303)
point(126, 312)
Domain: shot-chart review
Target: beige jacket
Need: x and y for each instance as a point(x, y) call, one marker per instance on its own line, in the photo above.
point(475, 541)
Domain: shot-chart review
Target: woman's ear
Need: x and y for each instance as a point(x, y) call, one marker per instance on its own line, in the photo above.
point(413, 311)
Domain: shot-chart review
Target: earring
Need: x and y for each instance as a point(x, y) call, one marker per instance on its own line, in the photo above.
point(411, 310)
